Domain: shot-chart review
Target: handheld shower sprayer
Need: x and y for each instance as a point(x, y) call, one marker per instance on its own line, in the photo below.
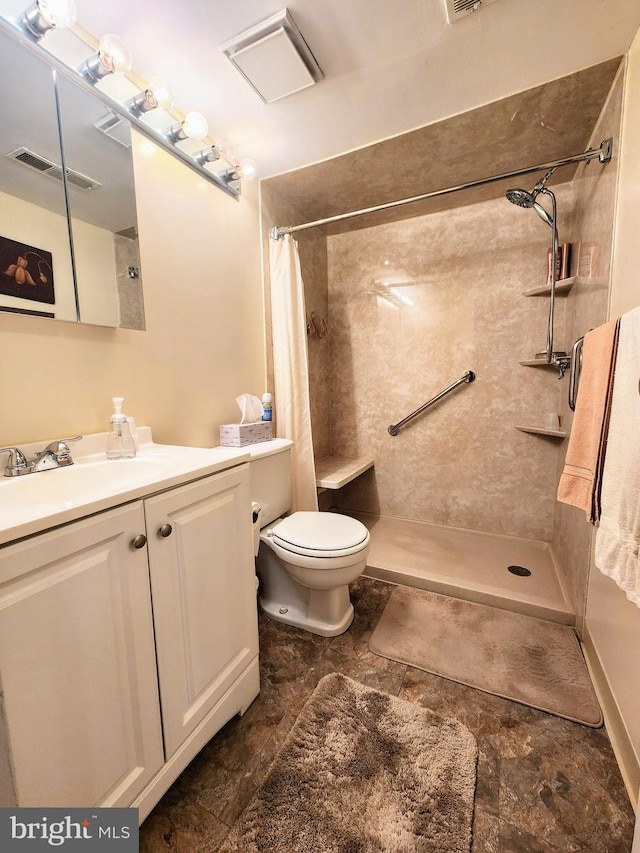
point(522, 198)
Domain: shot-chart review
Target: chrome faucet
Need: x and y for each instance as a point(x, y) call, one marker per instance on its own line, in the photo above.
point(54, 455)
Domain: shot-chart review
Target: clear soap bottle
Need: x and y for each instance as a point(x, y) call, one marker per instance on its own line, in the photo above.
point(120, 443)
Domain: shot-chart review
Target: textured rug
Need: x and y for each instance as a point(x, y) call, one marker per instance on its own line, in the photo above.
point(508, 654)
point(364, 772)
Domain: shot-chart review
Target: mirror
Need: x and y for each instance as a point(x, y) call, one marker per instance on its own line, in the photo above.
point(96, 143)
point(36, 263)
point(36, 275)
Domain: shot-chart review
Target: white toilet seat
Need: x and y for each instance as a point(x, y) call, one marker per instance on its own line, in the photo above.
point(320, 535)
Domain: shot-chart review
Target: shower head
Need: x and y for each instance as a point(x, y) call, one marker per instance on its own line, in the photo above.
point(528, 199)
point(520, 197)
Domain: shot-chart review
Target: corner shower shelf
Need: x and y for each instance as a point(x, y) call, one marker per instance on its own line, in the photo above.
point(562, 288)
point(334, 472)
point(550, 433)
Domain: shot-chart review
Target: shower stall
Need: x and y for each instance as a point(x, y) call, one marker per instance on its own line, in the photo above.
point(462, 499)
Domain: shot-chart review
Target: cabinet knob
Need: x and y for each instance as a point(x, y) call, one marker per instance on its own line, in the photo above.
point(165, 530)
point(139, 541)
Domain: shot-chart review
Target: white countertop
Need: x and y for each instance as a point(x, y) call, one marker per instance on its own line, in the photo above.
point(32, 503)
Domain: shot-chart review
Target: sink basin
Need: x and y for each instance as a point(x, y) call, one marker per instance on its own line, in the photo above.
point(34, 502)
point(61, 485)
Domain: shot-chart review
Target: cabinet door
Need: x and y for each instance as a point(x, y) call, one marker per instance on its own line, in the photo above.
point(77, 664)
point(204, 595)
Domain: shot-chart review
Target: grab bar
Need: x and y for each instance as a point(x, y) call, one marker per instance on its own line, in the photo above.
point(574, 372)
point(394, 429)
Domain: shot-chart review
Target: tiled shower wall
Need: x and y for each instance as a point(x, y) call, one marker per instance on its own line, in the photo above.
point(594, 198)
point(453, 302)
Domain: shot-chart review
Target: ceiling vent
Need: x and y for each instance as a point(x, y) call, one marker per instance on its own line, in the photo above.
point(457, 9)
point(274, 58)
point(51, 169)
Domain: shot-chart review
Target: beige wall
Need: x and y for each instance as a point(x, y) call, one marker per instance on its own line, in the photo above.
point(613, 623)
point(204, 344)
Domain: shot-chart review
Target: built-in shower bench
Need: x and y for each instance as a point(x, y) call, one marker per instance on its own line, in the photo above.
point(334, 472)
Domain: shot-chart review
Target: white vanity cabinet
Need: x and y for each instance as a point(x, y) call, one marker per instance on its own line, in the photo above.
point(204, 605)
point(118, 663)
point(77, 664)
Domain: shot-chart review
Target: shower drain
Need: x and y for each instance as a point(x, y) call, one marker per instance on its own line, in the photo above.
point(520, 571)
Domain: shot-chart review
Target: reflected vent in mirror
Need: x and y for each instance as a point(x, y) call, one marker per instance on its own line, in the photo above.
point(116, 128)
point(457, 9)
point(50, 169)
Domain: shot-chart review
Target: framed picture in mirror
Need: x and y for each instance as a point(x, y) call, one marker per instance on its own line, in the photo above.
point(26, 272)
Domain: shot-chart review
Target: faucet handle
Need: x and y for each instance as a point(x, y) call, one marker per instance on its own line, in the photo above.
point(17, 462)
point(60, 450)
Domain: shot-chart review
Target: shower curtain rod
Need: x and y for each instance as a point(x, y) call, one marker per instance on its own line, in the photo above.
point(603, 153)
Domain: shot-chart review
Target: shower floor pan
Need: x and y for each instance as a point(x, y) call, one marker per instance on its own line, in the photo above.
point(467, 564)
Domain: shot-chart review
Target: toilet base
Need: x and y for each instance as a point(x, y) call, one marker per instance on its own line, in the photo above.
point(300, 617)
point(326, 612)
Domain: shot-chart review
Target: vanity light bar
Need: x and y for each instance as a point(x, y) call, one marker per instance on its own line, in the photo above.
point(107, 61)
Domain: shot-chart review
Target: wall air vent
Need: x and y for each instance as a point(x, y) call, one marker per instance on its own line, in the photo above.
point(51, 169)
point(457, 9)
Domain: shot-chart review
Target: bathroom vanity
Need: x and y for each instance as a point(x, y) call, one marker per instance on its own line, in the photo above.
point(128, 623)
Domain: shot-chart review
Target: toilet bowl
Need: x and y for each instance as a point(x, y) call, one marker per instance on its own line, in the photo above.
point(305, 561)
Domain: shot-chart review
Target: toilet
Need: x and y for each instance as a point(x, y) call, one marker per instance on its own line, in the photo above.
point(305, 561)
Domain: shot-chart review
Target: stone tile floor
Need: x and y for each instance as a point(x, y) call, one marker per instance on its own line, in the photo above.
point(545, 785)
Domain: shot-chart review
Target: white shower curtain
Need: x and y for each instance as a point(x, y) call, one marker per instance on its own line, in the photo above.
point(291, 368)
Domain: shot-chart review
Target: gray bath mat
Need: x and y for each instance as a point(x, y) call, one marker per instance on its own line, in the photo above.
point(517, 657)
point(364, 771)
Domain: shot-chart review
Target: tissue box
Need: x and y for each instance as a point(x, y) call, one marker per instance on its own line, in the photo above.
point(239, 435)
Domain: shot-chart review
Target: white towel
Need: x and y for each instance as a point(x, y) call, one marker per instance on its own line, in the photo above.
point(618, 536)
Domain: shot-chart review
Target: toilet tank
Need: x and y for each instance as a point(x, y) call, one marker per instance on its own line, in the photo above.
point(270, 472)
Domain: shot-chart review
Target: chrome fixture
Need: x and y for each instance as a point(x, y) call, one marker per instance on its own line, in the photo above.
point(54, 455)
point(394, 429)
point(208, 155)
point(603, 153)
point(156, 96)
point(113, 57)
point(194, 126)
point(45, 15)
point(574, 373)
point(522, 198)
point(17, 463)
point(245, 169)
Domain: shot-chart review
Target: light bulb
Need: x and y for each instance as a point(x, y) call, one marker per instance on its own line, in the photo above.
point(247, 169)
point(58, 13)
point(44, 15)
point(195, 125)
point(161, 92)
point(114, 54)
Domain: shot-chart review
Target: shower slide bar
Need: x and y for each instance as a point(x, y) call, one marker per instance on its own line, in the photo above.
point(394, 429)
point(603, 153)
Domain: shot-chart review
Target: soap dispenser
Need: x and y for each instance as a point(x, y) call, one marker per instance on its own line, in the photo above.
point(120, 443)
